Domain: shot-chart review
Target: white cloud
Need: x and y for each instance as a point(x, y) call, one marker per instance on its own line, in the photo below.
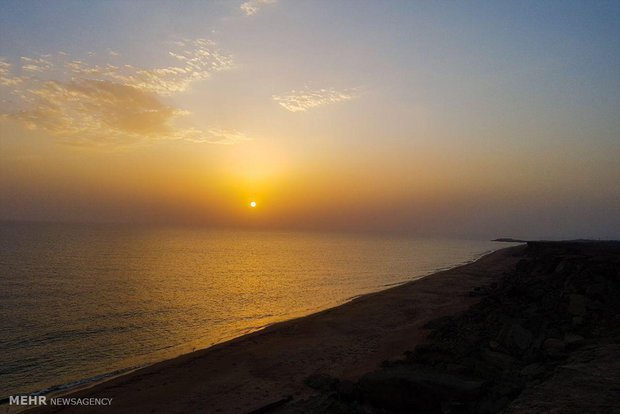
point(253, 6)
point(302, 100)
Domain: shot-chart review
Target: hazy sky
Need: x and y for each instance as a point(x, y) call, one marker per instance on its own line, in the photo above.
point(439, 118)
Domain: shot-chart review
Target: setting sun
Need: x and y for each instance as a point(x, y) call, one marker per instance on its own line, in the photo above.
point(253, 204)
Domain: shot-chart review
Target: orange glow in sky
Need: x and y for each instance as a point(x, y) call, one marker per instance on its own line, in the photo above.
point(411, 117)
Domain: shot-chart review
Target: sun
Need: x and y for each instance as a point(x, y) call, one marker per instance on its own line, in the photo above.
point(253, 204)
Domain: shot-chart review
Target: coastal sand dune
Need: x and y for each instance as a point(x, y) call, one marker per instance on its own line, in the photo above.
point(255, 370)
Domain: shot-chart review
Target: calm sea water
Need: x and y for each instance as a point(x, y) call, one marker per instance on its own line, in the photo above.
point(79, 302)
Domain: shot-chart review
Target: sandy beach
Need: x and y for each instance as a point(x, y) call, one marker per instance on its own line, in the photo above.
point(258, 369)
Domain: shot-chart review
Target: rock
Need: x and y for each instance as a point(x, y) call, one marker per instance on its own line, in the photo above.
point(271, 406)
point(321, 403)
point(553, 347)
point(321, 382)
point(532, 310)
point(522, 265)
point(573, 341)
point(505, 333)
point(439, 323)
point(452, 386)
point(493, 405)
point(499, 360)
point(533, 371)
point(430, 349)
point(577, 305)
point(563, 266)
point(483, 369)
point(536, 293)
point(595, 305)
point(429, 354)
point(457, 368)
point(347, 391)
point(520, 337)
point(508, 389)
point(388, 390)
point(596, 291)
point(402, 389)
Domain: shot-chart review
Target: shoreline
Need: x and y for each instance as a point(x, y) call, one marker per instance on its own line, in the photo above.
point(544, 337)
point(223, 366)
point(64, 389)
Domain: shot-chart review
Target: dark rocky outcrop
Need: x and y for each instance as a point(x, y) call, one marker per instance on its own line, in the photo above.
point(561, 302)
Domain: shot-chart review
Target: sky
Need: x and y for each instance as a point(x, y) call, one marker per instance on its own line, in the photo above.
point(461, 119)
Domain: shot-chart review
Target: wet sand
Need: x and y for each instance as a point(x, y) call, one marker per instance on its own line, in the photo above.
point(258, 369)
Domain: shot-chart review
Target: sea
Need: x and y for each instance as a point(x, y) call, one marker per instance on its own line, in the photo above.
point(81, 303)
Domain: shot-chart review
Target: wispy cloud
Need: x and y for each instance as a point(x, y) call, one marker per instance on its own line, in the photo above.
point(6, 79)
point(211, 135)
point(253, 6)
point(302, 100)
point(95, 110)
point(118, 104)
point(36, 64)
point(194, 61)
